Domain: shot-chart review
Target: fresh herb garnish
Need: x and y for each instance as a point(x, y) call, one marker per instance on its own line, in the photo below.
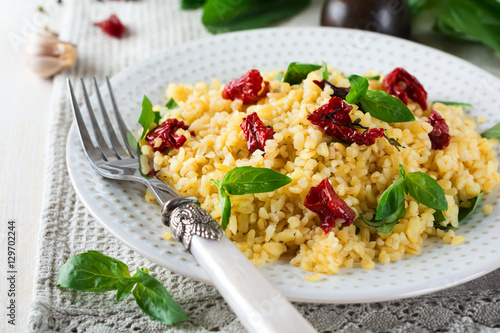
point(391, 207)
point(463, 213)
point(147, 117)
point(246, 180)
point(229, 15)
point(374, 77)
point(297, 72)
point(171, 104)
point(385, 107)
point(359, 87)
point(95, 272)
point(492, 133)
point(324, 71)
point(464, 105)
point(426, 190)
point(279, 76)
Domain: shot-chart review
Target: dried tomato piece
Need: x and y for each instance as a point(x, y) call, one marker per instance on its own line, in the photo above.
point(166, 132)
point(440, 137)
point(323, 200)
point(248, 88)
point(112, 26)
point(334, 119)
point(402, 84)
point(337, 91)
point(256, 132)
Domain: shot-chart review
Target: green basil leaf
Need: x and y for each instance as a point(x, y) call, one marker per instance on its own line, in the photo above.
point(475, 20)
point(385, 225)
point(359, 87)
point(492, 133)
point(391, 200)
point(192, 4)
point(439, 217)
point(374, 77)
point(131, 139)
point(297, 72)
point(230, 15)
point(324, 71)
point(426, 190)
point(125, 288)
point(417, 6)
point(92, 271)
point(464, 105)
point(248, 179)
point(279, 77)
point(385, 107)
point(463, 213)
point(155, 300)
point(171, 104)
point(147, 116)
point(225, 204)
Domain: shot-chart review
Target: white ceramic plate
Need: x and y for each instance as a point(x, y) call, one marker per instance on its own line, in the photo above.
point(120, 206)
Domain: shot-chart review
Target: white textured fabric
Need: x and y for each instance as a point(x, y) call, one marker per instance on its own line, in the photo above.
point(68, 229)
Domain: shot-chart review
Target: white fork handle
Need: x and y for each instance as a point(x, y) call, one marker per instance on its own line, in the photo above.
point(259, 306)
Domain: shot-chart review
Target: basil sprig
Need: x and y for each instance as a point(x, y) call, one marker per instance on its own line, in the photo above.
point(359, 87)
point(463, 213)
point(229, 15)
point(391, 207)
point(297, 72)
point(492, 133)
point(386, 107)
point(324, 71)
point(95, 272)
point(378, 103)
point(374, 77)
point(246, 180)
point(464, 105)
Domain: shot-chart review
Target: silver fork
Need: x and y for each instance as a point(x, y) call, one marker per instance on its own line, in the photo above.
point(258, 305)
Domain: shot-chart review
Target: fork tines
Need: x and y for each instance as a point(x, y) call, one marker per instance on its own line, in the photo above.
point(103, 150)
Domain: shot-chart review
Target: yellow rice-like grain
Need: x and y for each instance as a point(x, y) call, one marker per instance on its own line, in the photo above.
point(268, 225)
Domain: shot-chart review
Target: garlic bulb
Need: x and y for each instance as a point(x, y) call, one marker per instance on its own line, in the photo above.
point(48, 55)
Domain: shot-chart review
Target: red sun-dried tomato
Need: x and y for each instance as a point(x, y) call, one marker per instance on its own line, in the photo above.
point(256, 132)
point(248, 88)
point(440, 137)
point(166, 132)
point(334, 119)
point(112, 26)
point(402, 84)
point(323, 200)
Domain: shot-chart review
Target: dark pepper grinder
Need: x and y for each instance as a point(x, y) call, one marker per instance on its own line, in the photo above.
point(391, 17)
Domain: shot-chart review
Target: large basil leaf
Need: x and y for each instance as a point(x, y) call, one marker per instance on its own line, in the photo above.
point(92, 271)
point(385, 107)
point(297, 72)
point(229, 15)
point(248, 179)
point(155, 300)
point(426, 190)
point(359, 87)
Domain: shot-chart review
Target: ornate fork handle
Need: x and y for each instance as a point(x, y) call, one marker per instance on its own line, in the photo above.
point(186, 218)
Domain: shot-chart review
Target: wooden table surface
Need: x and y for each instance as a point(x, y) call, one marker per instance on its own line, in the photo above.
point(24, 112)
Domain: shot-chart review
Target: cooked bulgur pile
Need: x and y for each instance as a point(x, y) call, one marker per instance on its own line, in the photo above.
point(269, 225)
